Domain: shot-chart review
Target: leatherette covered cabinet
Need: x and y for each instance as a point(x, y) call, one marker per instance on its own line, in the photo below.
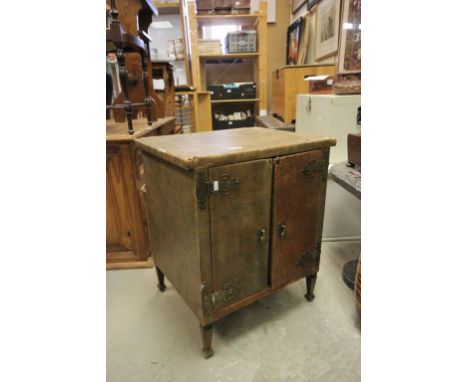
point(235, 215)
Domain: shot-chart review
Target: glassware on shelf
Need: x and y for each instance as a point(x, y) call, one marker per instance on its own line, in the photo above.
point(179, 49)
point(171, 54)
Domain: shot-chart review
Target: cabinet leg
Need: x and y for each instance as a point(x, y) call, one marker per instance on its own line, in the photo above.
point(310, 284)
point(161, 285)
point(207, 336)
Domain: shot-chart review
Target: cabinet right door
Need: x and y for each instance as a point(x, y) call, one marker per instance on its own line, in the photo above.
point(299, 188)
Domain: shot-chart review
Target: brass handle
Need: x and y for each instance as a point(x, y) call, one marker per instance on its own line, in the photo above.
point(282, 230)
point(262, 235)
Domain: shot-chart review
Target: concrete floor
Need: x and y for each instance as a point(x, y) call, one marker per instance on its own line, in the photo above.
point(153, 336)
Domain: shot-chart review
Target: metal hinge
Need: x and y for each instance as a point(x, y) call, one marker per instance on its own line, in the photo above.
point(229, 291)
point(310, 256)
point(320, 165)
point(205, 188)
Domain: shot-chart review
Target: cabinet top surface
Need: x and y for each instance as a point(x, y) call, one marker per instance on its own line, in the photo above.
point(215, 148)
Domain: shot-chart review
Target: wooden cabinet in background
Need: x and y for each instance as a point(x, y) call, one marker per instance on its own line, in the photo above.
point(127, 236)
point(288, 82)
point(235, 215)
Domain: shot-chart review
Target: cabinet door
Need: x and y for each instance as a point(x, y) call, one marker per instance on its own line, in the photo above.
point(299, 187)
point(240, 203)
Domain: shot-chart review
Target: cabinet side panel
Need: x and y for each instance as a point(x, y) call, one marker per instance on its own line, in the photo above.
point(171, 200)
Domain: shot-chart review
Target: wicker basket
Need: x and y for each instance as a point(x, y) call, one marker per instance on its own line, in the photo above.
point(357, 288)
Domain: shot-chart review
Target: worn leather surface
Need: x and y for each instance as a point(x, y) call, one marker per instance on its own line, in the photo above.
point(215, 148)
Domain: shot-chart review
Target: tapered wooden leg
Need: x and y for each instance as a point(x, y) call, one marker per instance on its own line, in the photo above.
point(310, 283)
point(161, 285)
point(207, 336)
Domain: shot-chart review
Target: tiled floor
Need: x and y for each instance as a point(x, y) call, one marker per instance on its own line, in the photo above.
point(153, 336)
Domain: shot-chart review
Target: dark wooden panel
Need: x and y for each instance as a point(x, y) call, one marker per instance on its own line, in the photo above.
point(239, 257)
point(126, 237)
point(354, 149)
point(136, 90)
point(298, 206)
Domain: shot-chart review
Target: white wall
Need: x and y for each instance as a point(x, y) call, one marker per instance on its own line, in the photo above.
point(161, 37)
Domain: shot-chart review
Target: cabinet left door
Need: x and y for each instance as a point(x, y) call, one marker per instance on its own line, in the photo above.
point(240, 205)
point(126, 238)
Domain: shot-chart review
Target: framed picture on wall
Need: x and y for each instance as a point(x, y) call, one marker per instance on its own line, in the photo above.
point(293, 40)
point(327, 28)
point(296, 4)
point(311, 3)
point(350, 46)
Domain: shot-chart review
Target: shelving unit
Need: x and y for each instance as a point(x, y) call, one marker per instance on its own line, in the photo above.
point(202, 63)
point(195, 115)
point(244, 19)
point(236, 100)
point(168, 8)
point(177, 10)
point(227, 56)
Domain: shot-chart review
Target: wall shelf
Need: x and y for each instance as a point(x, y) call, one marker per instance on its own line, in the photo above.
point(228, 56)
point(241, 19)
point(236, 100)
point(168, 8)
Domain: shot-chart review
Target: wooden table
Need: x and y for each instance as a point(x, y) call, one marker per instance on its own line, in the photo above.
point(347, 177)
point(271, 122)
point(127, 236)
point(288, 82)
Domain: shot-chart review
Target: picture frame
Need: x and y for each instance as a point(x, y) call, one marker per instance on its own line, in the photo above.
point(293, 40)
point(296, 4)
point(312, 3)
point(327, 28)
point(306, 44)
point(349, 59)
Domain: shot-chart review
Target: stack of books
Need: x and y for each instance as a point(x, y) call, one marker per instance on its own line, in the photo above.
point(209, 47)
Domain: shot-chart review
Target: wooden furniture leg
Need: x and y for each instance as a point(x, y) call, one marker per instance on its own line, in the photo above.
point(310, 283)
point(161, 285)
point(207, 336)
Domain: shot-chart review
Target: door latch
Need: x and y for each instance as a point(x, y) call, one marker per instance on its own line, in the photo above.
point(309, 105)
point(262, 235)
point(282, 230)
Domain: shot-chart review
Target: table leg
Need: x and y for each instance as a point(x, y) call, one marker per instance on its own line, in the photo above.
point(310, 285)
point(207, 336)
point(161, 285)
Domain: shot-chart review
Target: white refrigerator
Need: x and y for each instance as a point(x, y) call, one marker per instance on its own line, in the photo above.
point(334, 116)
